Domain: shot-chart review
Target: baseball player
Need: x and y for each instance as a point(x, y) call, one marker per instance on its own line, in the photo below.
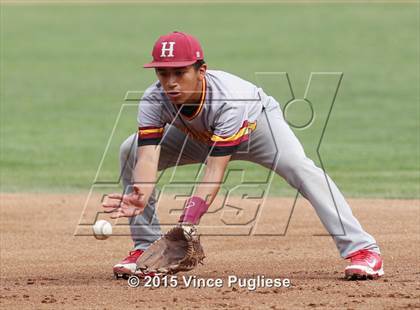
point(194, 115)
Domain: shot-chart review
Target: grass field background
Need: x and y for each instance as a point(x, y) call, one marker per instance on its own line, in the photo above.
point(65, 70)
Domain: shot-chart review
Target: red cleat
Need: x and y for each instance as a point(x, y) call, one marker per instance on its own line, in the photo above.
point(364, 264)
point(128, 265)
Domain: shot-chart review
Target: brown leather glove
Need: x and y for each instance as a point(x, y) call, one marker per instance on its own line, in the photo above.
point(177, 250)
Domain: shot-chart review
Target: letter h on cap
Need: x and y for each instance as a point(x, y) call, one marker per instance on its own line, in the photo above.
point(169, 49)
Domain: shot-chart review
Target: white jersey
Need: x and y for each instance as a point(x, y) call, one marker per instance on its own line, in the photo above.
point(225, 116)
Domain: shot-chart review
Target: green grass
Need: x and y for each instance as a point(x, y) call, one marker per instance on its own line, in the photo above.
point(65, 70)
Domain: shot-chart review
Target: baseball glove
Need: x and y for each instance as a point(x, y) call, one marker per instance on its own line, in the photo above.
point(177, 250)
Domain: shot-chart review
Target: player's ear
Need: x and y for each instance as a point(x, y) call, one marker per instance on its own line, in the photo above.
point(202, 71)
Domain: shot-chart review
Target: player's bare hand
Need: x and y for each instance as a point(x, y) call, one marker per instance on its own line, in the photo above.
point(127, 205)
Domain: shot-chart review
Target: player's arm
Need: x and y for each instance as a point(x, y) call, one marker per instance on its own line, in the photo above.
point(145, 171)
point(207, 190)
point(150, 132)
point(213, 177)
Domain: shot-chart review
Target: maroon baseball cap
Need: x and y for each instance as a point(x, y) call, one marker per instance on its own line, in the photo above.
point(176, 49)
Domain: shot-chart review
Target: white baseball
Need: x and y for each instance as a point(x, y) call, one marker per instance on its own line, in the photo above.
point(102, 230)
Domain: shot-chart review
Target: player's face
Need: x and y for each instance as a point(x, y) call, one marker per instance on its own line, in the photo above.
point(182, 85)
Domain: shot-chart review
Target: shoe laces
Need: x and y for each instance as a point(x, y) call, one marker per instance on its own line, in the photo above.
point(133, 254)
point(361, 255)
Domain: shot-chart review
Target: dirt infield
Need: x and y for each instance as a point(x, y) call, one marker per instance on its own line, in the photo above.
point(44, 266)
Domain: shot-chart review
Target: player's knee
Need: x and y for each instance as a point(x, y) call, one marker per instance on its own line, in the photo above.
point(126, 148)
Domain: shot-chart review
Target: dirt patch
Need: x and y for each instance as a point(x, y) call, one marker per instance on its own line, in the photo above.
point(44, 266)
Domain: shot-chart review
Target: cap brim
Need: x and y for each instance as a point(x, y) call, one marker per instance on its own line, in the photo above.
point(169, 64)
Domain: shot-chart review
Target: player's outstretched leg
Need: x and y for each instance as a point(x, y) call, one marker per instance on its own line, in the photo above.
point(352, 241)
point(283, 153)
